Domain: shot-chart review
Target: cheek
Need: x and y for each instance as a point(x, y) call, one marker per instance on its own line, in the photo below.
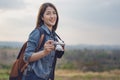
point(45, 19)
point(55, 16)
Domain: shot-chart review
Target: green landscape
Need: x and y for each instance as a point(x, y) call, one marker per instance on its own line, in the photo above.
point(81, 62)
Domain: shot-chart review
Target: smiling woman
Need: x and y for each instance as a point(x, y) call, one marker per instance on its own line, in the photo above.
point(43, 61)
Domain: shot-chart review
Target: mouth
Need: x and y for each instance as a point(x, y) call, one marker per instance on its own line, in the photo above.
point(52, 21)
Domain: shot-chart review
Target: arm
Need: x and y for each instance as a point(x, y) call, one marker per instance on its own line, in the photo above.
point(30, 54)
point(48, 47)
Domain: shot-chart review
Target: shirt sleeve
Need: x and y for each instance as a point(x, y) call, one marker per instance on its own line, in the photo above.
point(31, 44)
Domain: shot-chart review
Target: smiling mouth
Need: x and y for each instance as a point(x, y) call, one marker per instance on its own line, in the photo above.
point(52, 21)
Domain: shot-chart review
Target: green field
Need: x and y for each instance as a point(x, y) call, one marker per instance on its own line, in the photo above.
point(4, 74)
point(94, 64)
point(76, 75)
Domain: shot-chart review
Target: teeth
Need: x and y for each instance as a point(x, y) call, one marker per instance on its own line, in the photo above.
point(51, 20)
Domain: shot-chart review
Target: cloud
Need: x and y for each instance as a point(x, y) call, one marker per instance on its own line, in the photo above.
point(81, 21)
point(11, 4)
point(99, 12)
point(103, 13)
point(76, 31)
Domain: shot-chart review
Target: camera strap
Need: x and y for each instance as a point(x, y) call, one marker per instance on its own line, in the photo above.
point(59, 37)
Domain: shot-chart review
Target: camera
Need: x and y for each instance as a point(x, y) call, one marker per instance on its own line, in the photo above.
point(59, 46)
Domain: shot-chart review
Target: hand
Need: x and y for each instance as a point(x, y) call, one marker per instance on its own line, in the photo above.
point(48, 46)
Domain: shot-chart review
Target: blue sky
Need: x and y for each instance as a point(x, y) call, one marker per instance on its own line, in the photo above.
point(81, 21)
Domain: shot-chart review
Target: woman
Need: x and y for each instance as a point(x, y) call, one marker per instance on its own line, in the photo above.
point(42, 63)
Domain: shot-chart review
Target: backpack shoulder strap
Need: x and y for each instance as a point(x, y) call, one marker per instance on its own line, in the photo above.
point(40, 42)
point(41, 31)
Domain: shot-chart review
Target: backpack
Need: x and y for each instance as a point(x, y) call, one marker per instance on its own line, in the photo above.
point(20, 65)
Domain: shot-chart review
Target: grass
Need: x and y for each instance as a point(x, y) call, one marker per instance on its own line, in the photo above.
point(4, 74)
point(78, 75)
point(75, 75)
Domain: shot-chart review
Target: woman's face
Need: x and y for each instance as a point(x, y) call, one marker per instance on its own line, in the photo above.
point(49, 17)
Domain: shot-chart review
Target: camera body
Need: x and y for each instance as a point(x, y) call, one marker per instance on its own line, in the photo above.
point(59, 46)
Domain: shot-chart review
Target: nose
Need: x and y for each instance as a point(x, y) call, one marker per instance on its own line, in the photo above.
point(52, 15)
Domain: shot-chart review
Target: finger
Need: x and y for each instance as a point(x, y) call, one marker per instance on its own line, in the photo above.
point(50, 47)
point(50, 42)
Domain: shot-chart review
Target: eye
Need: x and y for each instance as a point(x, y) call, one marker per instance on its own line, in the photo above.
point(48, 13)
point(54, 12)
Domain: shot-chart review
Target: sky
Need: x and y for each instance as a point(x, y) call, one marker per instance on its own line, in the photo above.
point(80, 21)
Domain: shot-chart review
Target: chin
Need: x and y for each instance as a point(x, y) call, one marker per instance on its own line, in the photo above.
point(52, 24)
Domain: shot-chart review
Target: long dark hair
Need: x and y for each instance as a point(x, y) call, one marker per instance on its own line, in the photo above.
point(42, 9)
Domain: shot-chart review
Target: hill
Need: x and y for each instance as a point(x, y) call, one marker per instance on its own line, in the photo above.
point(10, 44)
point(93, 47)
point(80, 46)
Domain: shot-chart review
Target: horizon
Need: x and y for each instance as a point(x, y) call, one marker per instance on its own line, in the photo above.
point(65, 44)
point(94, 22)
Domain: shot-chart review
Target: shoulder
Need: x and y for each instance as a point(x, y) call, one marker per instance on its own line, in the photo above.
point(41, 30)
point(34, 33)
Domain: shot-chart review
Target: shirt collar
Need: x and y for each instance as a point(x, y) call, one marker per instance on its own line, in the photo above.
point(46, 29)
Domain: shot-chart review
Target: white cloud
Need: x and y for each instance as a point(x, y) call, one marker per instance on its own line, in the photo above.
point(11, 4)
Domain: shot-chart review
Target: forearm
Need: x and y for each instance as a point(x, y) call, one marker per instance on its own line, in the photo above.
point(36, 56)
point(48, 47)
